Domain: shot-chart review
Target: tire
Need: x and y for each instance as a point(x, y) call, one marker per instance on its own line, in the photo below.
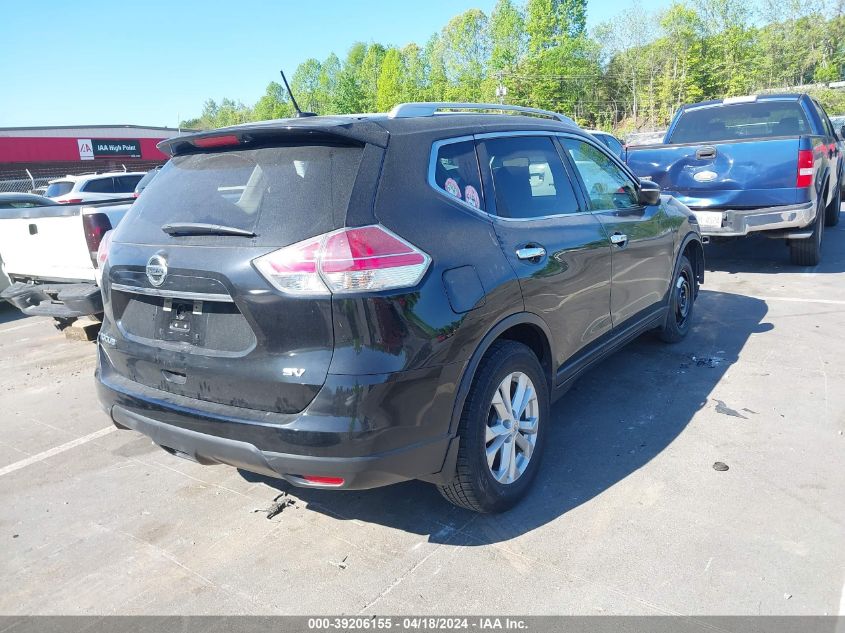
point(492, 487)
point(808, 251)
point(831, 216)
point(681, 304)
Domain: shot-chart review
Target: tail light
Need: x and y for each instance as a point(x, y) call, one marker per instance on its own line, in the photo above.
point(805, 168)
point(227, 140)
point(103, 250)
point(364, 259)
point(95, 225)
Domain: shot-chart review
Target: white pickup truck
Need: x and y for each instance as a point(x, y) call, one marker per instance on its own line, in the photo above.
point(50, 256)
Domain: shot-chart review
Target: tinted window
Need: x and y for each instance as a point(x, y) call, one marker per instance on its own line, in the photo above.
point(456, 172)
point(126, 184)
point(608, 187)
point(284, 194)
point(529, 178)
point(99, 185)
point(59, 188)
point(145, 180)
point(742, 120)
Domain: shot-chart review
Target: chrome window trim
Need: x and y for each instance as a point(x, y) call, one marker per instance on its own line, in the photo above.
point(436, 145)
point(173, 294)
point(432, 167)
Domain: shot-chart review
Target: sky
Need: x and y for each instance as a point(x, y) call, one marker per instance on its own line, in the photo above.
point(156, 62)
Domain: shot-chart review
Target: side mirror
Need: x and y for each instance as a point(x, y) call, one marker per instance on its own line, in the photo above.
point(649, 193)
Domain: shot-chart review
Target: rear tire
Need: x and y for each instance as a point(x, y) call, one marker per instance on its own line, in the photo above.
point(500, 449)
point(808, 252)
point(681, 303)
point(831, 216)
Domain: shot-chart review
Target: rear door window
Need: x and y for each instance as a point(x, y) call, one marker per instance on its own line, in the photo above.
point(456, 172)
point(59, 188)
point(99, 185)
point(529, 178)
point(741, 120)
point(283, 194)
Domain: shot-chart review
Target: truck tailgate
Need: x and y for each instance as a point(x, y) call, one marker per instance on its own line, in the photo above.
point(45, 242)
point(728, 174)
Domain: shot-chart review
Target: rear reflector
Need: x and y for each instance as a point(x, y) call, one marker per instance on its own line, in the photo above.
point(216, 141)
point(805, 168)
point(325, 481)
point(363, 259)
point(95, 225)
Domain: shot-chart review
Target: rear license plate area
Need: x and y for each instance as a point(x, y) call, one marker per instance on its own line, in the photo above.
point(181, 321)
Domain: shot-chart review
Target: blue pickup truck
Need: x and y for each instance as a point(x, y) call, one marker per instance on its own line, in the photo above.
point(771, 163)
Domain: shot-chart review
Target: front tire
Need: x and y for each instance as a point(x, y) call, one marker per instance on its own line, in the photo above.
point(502, 430)
point(681, 303)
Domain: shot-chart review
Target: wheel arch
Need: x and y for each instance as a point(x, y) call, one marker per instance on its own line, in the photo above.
point(693, 250)
point(523, 327)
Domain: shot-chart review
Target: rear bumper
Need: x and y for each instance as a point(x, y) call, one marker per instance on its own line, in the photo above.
point(58, 300)
point(351, 430)
point(790, 221)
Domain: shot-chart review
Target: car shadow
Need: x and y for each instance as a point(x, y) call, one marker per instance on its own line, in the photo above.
point(617, 418)
point(759, 254)
point(9, 313)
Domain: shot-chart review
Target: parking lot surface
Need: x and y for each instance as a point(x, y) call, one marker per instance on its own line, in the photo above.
point(627, 516)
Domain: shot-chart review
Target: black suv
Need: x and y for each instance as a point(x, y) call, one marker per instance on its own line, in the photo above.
point(353, 301)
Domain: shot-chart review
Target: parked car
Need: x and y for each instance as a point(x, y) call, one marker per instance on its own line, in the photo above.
point(146, 180)
point(39, 191)
point(94, 187)
point(13, 200)
point(770, 164)
point(50, 255)
point(613, 144)
point(365, 312)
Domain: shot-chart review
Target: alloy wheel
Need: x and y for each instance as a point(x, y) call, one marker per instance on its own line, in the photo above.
point(511, 432)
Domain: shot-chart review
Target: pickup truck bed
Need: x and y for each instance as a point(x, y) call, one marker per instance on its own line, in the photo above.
point(49, 254)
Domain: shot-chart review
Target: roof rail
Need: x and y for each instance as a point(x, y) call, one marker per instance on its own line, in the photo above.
point(430, 108)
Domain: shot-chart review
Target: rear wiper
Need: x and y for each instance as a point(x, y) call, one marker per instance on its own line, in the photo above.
point(199, 228)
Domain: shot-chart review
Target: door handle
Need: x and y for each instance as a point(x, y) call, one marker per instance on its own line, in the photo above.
point(531, 252)
point(619, 239)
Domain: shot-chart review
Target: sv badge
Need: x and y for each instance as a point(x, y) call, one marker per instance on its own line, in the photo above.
point(292, 372)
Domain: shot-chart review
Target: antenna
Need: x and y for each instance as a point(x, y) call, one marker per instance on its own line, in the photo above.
point(299, 113)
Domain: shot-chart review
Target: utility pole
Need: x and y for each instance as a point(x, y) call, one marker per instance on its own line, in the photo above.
point(501, 90)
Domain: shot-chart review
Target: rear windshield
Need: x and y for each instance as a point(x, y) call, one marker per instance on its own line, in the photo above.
point(59, 188)
point(744, 120)
point(283, 194)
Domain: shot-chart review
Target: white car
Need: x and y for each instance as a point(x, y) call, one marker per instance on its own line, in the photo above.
point(94, 187)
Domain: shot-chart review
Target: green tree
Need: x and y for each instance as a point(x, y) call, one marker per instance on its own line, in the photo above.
point(349, 96)
point(390, 82)
point(305, 85)
point(369, 76)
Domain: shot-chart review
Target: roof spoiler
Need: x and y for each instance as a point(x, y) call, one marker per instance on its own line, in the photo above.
point(310, 129)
